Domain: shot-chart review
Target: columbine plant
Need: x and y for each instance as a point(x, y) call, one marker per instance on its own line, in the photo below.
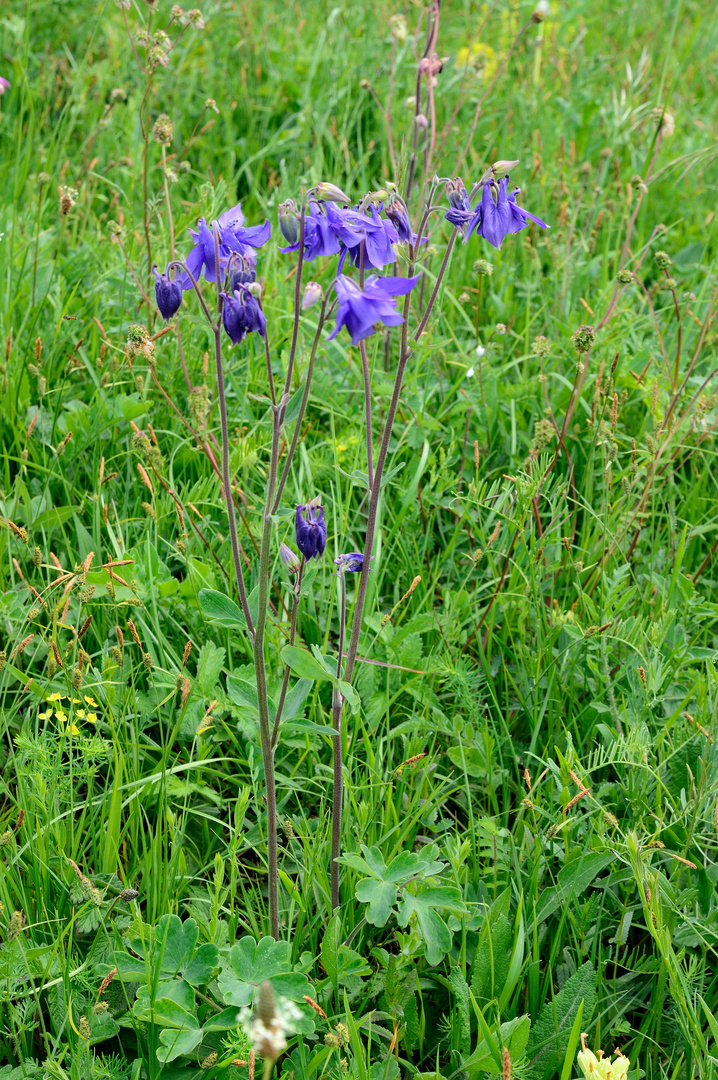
point(370, 236)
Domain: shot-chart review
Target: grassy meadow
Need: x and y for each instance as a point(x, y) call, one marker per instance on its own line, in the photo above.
point(530, 766)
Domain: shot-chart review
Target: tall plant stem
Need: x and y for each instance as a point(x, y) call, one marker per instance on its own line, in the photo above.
point(259, 666)
point(302, 408)
point(337, 788)
point(404, 354)
point(292, 635)
point(226, 480)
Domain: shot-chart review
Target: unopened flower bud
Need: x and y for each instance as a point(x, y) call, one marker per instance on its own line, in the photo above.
point(663, 260)
point(312, 295)
point(290, 559)
point(176, 12)
point(195, 18)
point(421, 121)
point(288, 220)
point(483, 268)
point(331, 193)
point(127, 895)
point(501, 167)
point(210, 103)
point(43, 178)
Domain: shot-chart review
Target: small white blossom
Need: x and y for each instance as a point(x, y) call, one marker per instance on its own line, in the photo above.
point(480, 350)
point(470, 373)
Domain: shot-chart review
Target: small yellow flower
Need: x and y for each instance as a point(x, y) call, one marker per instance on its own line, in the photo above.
point(55, 697)
point(61, 716)
point(77, 701)
point(80, 713)
point(75, 729)
point(92, 718)
point(45, 715)
point(91, 701)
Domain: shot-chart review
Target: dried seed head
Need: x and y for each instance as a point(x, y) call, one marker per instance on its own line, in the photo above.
point(147, 661)
point(68, 198)
point(83, 1026)
point(127, 895)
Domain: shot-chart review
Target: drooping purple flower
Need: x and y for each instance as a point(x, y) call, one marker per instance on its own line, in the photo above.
point(4, 85)
point(319, 237)
point(379, 235)
point(168, 294)
point(351, 562)
point(310, 530)
point(497, 214)
point(460, 207)
point(242, 315)
point(396, 212)
point(243, 270)
point(359, 311)
point(233, 237)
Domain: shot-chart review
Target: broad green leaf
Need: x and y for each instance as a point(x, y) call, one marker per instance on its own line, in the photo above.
point(250, 963)
point(209, 666)
point(328, 951)
point(426, 905)
point(173, 1005)
point(304, 664)
point(176, 1043)
point(215, 605)
point(348, 691)
point(294, 701)
point(380, 896)
point(227, 1018)
point(572, 881)
point(242, 693)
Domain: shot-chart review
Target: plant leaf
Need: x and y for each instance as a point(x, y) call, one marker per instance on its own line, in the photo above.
point(215, 605)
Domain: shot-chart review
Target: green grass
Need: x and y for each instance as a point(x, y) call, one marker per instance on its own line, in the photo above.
point(562, 636)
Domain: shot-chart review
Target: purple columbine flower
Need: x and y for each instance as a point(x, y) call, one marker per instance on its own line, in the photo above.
point(310, 530)
point(352, 562)
point(379, 235)
point(168, 294)
point(4, 85)
point(233, 237)
point(359, 311)
point(242, 315)
point(460, 207)
point(498, 214)
point(319, 237)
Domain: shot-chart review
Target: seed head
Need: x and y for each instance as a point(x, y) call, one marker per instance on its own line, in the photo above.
point(541, 346)
point(663, 260)
point(127, 895)
point(583, 338)
point(68, 198)
point(162, 130)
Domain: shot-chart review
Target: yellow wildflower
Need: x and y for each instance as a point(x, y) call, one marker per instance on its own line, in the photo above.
point(92, 718)
point(480, 57)
point(61, 716)
point(45, 715)
point(55, 697)
point(91, 701)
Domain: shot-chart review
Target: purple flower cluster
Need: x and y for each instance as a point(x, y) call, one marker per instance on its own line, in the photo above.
point(495, 215)
point(237, 246)
point(360, 310)
point(331, 230)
